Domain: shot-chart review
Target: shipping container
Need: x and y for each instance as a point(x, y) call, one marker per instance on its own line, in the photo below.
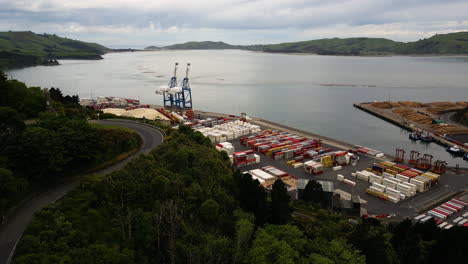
point(460, 207)
point(442, 225)
point(437, 215)
point(460, 202)
point(419, 217)
point(425, 219)
point(348, 182)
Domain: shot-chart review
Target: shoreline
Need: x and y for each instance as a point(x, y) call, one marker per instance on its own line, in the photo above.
point(327, 140)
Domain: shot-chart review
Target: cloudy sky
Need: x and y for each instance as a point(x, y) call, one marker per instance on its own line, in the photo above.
point(139, 23)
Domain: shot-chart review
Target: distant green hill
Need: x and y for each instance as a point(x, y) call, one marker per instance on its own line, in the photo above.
point(193, 45)
point(451, 43)
point(206, 45)
point(349, 46)
point(27, 48)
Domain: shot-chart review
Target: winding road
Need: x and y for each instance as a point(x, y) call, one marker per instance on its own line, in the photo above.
point(12, 230)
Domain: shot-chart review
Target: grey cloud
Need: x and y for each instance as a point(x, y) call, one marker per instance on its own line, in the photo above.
point(274, 18)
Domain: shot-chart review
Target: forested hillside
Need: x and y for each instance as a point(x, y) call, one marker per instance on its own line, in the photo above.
point(27, 49)
point(57, 143)
point(451, 43)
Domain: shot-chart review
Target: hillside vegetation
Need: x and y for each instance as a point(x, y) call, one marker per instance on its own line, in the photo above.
point(350, 46)
point(27, 48)
point(58, 143)
point(452, 43)
point(206, 45)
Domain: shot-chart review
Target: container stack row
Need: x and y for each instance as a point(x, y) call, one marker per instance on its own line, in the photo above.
point(226, 146)
point(268, 175)
point(385, 187)
point(444, 212)
point(370, 151)
point(227, 131)
point(244, 158)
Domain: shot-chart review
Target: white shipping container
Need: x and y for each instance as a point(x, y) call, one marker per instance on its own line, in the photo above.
point(375, 189)
point(379, 186)
point(336, 168)
point(402, 178)
point(442, 224)
point(348, 182)
point(339, 177)
point(394, 199)
point(419, 217)
point(392, 192)
point(375, 178)
point(425, 219)
point(419, 184)
point(458, 219)
point(387, 175)
point(261, 174)
point(437, 215)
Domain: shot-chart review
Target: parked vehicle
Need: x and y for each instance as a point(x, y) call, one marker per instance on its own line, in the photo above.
point(455, 151)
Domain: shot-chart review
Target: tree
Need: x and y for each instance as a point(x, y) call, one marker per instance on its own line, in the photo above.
point(313, 192)
point(10, 125)
point(280, 208)
point(252, 196)
point(10, 188)
point(40, 153)
point(244, 231)
point(373, 239)
point(209, 211)
point(3, 78)
point(277, 244)
point(407, 243)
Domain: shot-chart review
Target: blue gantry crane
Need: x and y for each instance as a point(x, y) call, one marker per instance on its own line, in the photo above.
point(177, 98)
point(184, 98)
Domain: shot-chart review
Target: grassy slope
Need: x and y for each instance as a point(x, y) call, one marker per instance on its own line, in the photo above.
point(201, 45)
point(28, 48)
point(337, 46)
point(452, 43)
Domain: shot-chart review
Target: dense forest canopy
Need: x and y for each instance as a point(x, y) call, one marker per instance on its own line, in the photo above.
point(58, 142)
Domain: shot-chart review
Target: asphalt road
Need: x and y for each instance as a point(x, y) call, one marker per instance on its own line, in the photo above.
point(11, 231)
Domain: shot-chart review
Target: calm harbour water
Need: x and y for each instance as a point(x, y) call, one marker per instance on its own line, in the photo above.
point(311, 92)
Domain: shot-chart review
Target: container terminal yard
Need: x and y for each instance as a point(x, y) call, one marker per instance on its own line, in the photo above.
point(378, 184)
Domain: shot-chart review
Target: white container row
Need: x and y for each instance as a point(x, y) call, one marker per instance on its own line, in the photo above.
point(226, 146)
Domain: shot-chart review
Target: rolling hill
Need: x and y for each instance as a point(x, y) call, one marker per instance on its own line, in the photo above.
point(18, 49)
point(337, 46)
point(440, 44)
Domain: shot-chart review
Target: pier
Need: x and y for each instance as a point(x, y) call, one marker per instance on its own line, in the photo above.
point(401, 122)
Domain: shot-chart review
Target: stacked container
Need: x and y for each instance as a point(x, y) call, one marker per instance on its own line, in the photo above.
point(275, 172)
point(243, 158)
point(375, 178)
point(407, 190)
point(327, 161)
point(313, 167)
point(218, 131)
point(266, 177)
point(226, 146)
